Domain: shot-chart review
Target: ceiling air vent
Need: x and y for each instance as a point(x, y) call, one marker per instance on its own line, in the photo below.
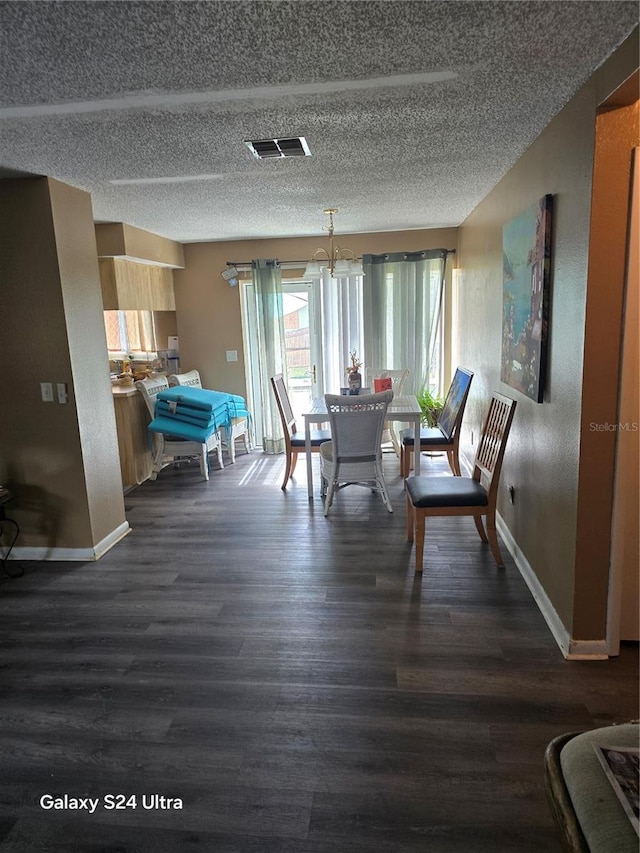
point(289, 146)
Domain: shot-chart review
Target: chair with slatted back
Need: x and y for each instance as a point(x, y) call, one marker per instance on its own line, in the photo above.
point(239, 426)
point(294, 441)
point(475, 496)
point(170, 448)
point(445, 435)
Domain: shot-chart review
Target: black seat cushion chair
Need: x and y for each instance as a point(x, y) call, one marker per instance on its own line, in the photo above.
point(451, 491)
point(445, 435)
point(455, 496)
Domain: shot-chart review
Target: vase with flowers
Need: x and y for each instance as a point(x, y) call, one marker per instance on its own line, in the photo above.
point(353, 371)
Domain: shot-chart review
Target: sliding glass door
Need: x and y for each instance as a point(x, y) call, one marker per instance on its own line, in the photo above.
point(303, 346)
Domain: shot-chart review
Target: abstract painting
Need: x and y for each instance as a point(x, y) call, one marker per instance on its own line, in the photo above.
point(526, 263)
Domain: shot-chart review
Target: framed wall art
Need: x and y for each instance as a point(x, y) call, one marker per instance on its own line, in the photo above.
point(526, 264)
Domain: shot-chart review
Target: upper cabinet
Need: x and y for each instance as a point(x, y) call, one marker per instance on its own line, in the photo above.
point(129, 286)
point(136, 268)
point(119, 240)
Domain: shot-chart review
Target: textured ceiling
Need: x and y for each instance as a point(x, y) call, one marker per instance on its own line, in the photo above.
point(412, 110)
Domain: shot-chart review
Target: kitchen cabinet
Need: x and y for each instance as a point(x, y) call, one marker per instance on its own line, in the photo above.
point(132, 418)
point(130, 286)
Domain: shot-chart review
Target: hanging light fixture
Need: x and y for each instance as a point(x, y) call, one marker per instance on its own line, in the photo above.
point(340, 262)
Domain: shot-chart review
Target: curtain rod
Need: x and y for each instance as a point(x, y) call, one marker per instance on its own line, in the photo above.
point(285, 264)
point(296, 264)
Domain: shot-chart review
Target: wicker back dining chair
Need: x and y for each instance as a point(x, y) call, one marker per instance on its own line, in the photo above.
point(354, 454)
point(475, 496)
point(239, 426)
point(168, 448)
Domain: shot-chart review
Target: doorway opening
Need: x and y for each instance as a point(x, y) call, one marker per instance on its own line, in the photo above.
point(303, 347)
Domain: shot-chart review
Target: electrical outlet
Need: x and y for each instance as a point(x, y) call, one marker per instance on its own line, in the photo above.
point(512, 494)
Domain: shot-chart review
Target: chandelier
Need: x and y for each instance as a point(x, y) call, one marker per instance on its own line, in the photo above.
point(340, 262)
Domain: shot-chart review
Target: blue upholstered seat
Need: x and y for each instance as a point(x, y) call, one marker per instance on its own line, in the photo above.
point(174, 438)
point(181, 429)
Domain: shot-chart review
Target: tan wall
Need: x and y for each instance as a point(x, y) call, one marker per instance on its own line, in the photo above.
point(543, 458)
point(616, 136)
point(165, 325)
point(60, 460)
point(625, 556)
point(208, 309)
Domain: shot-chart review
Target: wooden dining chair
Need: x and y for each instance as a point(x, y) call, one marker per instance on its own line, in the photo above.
point(398, 379)
point(294, 441)
point(444, 437)
point(476, 495)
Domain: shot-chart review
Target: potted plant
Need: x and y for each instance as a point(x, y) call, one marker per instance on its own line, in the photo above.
point(431, 405)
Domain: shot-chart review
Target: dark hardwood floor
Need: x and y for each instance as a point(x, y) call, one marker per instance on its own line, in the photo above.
point(288, 678)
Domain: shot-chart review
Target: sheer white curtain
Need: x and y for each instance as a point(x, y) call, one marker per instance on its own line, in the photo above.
point(402, 309)
point(267, 288)
point(342, 326)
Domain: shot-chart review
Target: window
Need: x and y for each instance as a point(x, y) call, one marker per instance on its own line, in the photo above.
point(130, 331)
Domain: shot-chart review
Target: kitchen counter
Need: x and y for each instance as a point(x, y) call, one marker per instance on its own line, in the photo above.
point(124, 390)
point(132, 418)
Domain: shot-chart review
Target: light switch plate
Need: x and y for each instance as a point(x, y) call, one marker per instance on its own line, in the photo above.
point(232, 355)
point(63, 397)
point(46, 391)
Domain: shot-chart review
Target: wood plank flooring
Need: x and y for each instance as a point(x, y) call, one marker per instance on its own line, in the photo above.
point(288, 678)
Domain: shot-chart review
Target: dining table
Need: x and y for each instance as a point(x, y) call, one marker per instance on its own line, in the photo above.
point(404, 409)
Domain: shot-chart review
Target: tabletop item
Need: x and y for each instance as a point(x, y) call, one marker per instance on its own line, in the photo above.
point(354, 381)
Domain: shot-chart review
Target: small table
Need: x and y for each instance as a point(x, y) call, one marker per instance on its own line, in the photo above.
point(404, 409)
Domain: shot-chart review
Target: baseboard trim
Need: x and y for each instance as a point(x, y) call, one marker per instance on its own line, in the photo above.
point(81, 555)
point(559, 632)
point(571, 649)
point(588, 650)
